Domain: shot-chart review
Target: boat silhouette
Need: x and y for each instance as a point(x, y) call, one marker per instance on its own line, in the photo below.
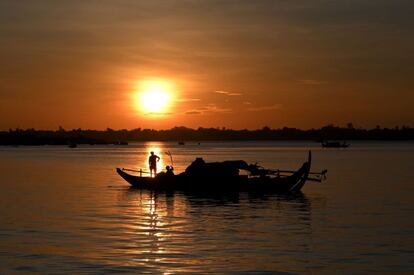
point(225, 176)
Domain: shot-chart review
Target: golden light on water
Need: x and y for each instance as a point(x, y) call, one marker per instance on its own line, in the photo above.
point(154, 228)
point(154, 97)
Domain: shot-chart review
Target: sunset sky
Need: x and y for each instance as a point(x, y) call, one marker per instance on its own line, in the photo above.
point(237, 64)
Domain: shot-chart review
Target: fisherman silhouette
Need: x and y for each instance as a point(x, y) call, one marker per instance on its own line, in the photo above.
point(152, 161)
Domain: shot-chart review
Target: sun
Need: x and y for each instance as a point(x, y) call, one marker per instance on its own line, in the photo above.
point(154, 97)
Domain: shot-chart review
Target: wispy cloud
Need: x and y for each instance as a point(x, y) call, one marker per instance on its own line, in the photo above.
point(184, 99)
point(265, 108)
point(227, 93)
point(193, 112)
point(158, 114)
point(208, 109)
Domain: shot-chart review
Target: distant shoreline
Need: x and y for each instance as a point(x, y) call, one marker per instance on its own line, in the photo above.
point(16, 137)
point(204, 142)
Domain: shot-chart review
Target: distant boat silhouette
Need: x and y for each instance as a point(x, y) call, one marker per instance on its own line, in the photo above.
point(72, 145)
point(120, 143)
point(181, 143)
point(334, 144)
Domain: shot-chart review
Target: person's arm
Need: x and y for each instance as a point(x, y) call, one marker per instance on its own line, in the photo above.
point(158, 158)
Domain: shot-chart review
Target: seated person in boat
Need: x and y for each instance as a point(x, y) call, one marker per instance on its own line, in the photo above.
point(170, 170)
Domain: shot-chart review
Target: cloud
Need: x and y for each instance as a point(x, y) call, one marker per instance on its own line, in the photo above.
point(212, 108)
point(193, 113)
point(187, 99)
point(227, 93)
point(208, 109)
point(265, 108)
point(158, 114)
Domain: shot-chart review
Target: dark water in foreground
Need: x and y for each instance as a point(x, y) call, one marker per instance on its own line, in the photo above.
point(65, 210)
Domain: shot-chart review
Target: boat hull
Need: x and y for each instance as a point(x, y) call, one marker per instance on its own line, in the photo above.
point(215, 183)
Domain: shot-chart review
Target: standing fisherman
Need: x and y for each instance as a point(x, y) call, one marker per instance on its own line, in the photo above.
point(152, 161)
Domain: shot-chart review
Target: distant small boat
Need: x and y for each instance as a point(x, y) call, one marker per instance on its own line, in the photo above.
point(181, 143)
point(72, 145)
point(120, 143)
point(334, 144)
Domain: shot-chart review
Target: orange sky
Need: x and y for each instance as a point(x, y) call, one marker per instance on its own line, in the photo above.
point(238, 64)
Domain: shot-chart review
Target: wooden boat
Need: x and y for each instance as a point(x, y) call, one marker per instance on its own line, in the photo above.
point(334, 144)
point(259, 179)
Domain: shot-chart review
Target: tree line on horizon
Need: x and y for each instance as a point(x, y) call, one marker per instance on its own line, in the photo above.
point(111, 136)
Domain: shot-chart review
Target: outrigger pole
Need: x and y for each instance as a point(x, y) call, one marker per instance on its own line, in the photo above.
point(320, 176)
point(138, 171)
point(310, 173)
point(171, 158)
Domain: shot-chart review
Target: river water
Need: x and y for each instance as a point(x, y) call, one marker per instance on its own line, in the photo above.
point(66, 211)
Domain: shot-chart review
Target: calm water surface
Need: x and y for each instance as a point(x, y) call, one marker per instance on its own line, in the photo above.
point(65, 210)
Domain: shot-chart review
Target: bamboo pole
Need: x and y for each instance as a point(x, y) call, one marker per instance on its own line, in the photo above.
point(138, 171)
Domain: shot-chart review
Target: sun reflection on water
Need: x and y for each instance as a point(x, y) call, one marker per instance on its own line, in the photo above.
point(155, 229)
